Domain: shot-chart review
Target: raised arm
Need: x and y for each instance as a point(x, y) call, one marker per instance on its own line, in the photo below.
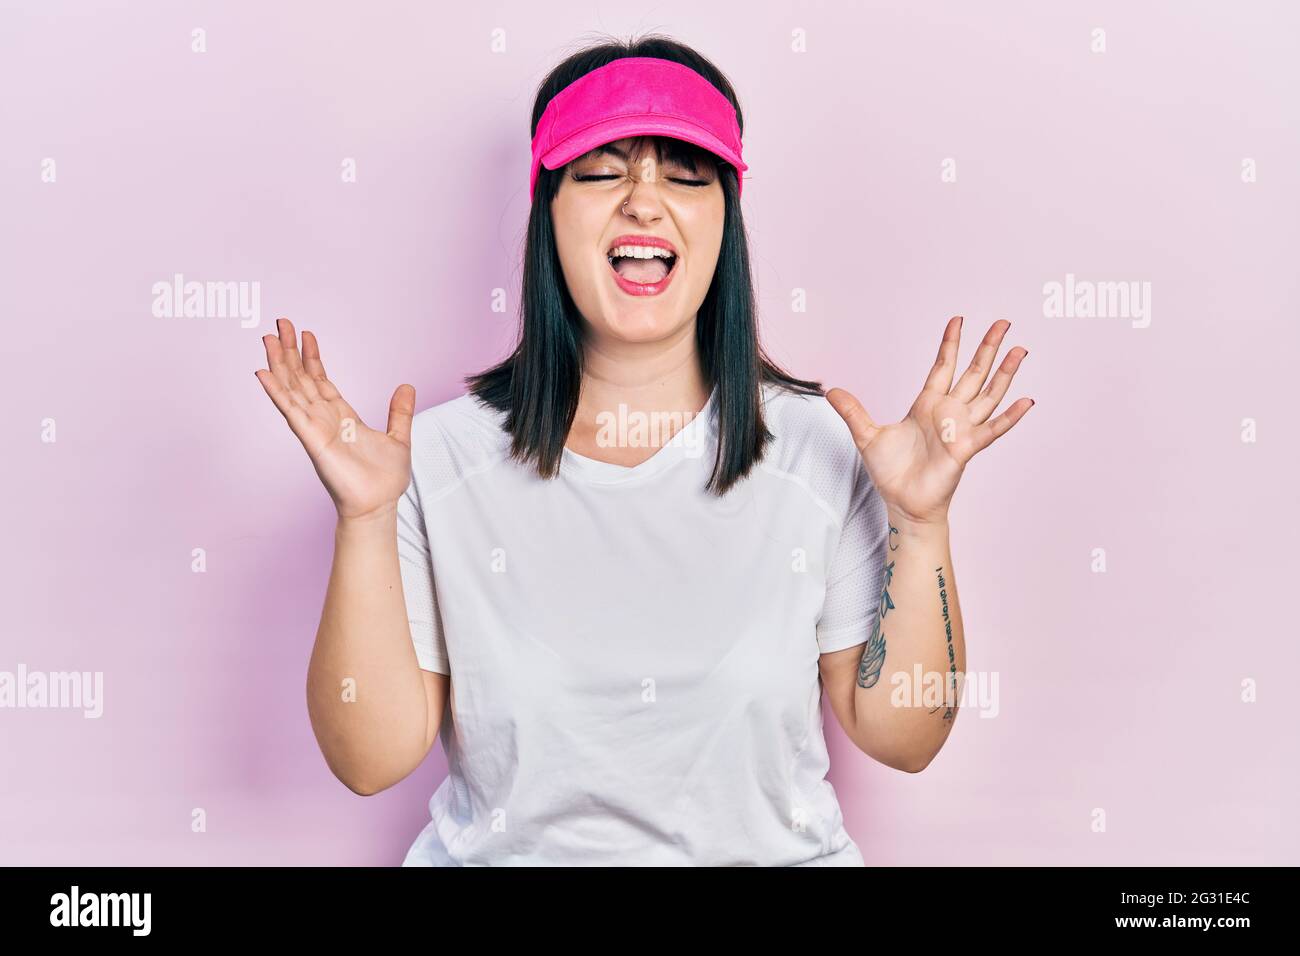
point(897, 695)
point(375, 713)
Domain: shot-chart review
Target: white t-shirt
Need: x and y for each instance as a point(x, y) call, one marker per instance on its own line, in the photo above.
point(633, 660)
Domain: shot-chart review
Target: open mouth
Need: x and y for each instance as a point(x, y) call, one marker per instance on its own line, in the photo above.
point(641, 265)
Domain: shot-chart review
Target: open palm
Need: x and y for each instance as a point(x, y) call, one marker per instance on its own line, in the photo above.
point(916, 463)
point(365, 471)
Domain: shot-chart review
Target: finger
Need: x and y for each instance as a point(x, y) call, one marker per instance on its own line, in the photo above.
point(972, 379)
point(400, 411)
point(289, 342)
point(315, 369)
point(945, 363)
point(281, 372)
point(293, 414)
point(986, 434)
point(311, 355)
point(988, 399)
point(854, 415)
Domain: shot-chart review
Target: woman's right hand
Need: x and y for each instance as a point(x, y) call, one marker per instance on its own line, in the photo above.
point(365, 471)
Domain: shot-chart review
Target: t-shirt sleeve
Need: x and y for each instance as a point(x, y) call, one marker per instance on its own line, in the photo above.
point(417, 584)
point(856, 572)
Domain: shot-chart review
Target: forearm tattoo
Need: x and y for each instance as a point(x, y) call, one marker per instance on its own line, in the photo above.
point(873, 657)
point(952, 657)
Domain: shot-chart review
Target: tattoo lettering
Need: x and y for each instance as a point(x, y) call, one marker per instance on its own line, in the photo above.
point(952, 658)
point(873, 657)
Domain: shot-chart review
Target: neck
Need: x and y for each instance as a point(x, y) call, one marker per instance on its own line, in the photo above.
point(661, 376)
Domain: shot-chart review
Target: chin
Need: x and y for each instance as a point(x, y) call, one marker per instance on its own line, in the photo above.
point(644, 323)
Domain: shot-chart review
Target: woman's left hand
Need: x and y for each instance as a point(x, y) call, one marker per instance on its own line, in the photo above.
point(916, 463)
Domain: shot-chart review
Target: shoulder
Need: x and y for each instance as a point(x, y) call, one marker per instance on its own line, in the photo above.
point(813, 446)
point(454, 439)
point(807, 429)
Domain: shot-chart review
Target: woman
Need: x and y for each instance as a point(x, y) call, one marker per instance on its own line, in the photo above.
point(615, 575)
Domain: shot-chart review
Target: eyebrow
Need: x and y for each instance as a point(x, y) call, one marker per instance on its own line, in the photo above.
point(677, 153)
point(607, 148)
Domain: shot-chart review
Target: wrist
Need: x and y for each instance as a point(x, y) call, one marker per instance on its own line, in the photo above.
point(935, 526)
point(380, 518)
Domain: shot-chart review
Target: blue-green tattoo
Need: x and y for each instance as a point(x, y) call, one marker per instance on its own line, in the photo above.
point(873, 657)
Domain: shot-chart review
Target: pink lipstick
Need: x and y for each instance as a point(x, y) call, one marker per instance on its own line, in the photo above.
point(631, 286)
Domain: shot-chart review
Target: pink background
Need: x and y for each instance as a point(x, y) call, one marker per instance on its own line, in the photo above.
point(1118, 691)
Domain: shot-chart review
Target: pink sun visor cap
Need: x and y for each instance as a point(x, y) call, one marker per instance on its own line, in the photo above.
point(635, 96)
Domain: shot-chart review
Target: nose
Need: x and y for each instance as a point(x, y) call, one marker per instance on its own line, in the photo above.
point(643, 203)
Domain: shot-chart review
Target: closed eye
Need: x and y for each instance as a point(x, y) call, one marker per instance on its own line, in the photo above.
point(672, 179)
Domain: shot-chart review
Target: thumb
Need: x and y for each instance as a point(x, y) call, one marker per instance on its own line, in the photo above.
point(400, 411)
point(854, 415)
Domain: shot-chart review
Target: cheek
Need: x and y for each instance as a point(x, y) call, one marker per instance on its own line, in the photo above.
point(569, 250)
point(575, 240)
point(703, 227)
point(705, 263)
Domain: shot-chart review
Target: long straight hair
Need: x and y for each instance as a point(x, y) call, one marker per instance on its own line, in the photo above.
point(538, 385)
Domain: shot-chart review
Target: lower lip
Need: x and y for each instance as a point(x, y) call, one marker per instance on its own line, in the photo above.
point(645, 288)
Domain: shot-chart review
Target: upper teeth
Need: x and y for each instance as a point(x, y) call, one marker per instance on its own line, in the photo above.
point(641, 252)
